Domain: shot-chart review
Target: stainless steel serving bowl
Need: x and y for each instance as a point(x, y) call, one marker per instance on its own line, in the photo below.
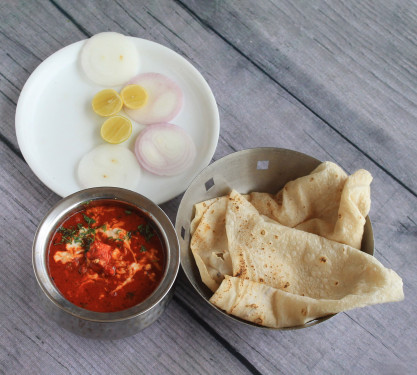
point(258, 169)
point(112, 325)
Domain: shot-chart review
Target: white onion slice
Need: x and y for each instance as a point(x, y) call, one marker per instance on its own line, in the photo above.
point(165, 149)
point(110, 59)
point(165, 99)
point(109, 165)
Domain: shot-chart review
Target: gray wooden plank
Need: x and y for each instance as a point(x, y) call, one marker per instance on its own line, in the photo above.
point(31, 342)
point(352, 64)
point(367, 330)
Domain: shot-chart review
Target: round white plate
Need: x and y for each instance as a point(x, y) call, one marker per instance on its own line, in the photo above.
point(56, 126)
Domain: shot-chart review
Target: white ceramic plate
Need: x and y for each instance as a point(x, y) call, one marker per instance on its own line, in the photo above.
point(56, 126)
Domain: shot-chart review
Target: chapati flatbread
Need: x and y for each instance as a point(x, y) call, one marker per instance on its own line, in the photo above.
point(326, 202)
point(283, 276)
point(264, 305)
point(282, 260)
point(209, 242)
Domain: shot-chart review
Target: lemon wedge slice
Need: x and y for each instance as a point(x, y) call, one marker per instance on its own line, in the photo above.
point(107, 103)
point(134, 96)
point(116, 129)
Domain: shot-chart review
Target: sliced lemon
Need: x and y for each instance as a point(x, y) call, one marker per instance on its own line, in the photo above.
point(107, 102)
point(134, 96)
point(116, 129)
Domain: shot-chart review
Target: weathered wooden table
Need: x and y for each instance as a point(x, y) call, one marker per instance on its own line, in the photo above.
point(333, 79)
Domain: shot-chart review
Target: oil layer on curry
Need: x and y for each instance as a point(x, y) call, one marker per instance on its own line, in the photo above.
point(106, 257)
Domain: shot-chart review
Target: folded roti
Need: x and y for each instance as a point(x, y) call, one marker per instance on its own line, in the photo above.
point(326, 202)
point(209, 242)
point(264, 305)
point(284, 277)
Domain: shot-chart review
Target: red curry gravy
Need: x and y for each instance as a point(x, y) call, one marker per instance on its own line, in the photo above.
point(106, 257)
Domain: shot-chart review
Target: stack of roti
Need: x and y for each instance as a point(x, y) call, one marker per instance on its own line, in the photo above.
point(283, 260)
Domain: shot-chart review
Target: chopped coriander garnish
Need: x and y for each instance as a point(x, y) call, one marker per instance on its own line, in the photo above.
point(146, 231)
point(78, 234)
point(87, 241)
point(68, 235)
point(128, 212)
point(142, 249)
point(89, 220)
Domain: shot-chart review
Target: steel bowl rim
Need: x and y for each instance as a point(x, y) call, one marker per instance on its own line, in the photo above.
point(61, 209)
point(178, 230)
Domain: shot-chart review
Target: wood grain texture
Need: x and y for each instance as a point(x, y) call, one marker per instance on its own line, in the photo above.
point(358, 60)
point(336, 80)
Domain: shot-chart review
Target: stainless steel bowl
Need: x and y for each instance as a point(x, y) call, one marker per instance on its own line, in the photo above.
point(112, 325)
point(258, 169)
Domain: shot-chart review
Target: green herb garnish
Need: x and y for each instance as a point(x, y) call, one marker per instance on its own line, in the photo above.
point(68, 235)
point(146, 231)
point(87, 241)
point(143, 249)
point(88, 220)
point(79, 234)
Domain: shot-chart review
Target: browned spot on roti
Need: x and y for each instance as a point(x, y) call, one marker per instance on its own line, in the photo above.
point(262, 232)
point(304, 311)
point(323, 259)
point(286, 285)
point(242, 271)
